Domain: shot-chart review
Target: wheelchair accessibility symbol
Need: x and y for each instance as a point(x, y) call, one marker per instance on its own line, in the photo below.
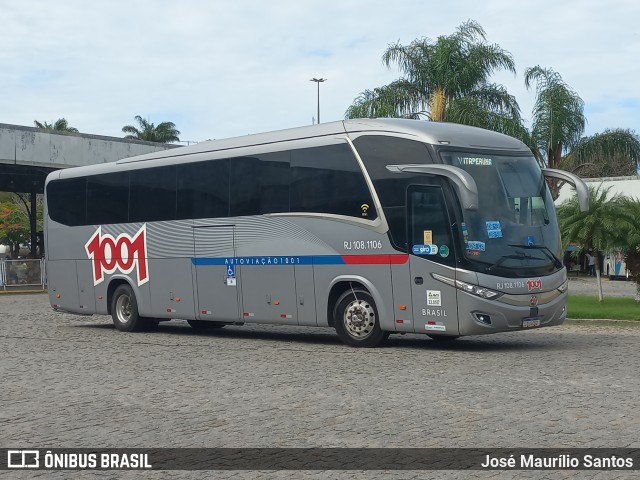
point(231, 275)
point(231, 271)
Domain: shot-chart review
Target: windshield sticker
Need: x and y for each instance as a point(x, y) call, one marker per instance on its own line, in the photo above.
point(428, 237)
point(365, 209)
point(434, 298)
point(474, 245)
point(493, 229)
point(425, 249)
point(531, 241)
point(444, 251)
point(465, 232)
point(483, 162)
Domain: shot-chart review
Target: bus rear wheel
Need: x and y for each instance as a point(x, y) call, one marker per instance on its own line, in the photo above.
point(356, 320)
point(124, 310)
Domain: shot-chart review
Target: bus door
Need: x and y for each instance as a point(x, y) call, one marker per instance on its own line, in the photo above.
point(215, 273)
point(431, 251)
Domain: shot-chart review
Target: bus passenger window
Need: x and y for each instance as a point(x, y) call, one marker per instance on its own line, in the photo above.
point(329, 180)
point(152, 194)
point(108, 198)
point(203, 189)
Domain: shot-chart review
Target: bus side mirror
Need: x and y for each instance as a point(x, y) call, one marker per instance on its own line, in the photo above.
point(464, 183)
point(581, 188)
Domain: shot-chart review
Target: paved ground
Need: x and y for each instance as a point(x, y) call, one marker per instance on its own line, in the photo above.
point(585, 285)
point(71, 381)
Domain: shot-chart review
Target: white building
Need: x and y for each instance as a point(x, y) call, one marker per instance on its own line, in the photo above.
point(629, 186)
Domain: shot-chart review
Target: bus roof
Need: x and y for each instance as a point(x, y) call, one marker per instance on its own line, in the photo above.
point(432, 132)
point(436, 133)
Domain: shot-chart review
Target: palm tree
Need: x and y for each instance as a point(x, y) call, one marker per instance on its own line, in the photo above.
point(558, 125)
point(558, 116)
point(446, 80)
point(165, 132)
point(599, 229)
point(60, 125)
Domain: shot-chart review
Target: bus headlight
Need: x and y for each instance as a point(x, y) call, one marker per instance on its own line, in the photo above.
point(563, 288)
point(476, 290)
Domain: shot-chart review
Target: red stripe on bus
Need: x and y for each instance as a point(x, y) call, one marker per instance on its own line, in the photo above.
point(375, 259)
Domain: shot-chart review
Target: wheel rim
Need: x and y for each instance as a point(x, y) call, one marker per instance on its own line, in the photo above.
point(123, 308)
point(359, 319)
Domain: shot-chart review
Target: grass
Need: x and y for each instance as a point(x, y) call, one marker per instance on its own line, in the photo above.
point(581, 306)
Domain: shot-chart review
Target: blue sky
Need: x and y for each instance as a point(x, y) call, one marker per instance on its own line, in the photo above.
point(221, 68)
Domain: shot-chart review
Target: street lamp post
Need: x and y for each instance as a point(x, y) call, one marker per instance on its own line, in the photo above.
point(318, 81)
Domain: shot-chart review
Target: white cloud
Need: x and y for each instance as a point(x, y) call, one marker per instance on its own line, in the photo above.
point(220, 69)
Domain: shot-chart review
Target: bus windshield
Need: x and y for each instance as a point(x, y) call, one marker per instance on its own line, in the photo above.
point(515, 230)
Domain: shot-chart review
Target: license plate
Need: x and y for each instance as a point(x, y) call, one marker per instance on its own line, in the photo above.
point(530, 322)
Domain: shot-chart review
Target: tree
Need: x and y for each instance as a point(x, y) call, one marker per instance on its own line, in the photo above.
point(599, 229)
point(558, 118)
point(60, 125)
point(609, 154)
point(632, 260)
point(631, 233)
point(14, 227)
point(165, 132)
point(446, 80)
point(23, 201)
point(558, 126)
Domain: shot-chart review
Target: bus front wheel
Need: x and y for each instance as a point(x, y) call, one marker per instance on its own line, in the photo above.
point(356, 320)
point(124, 310)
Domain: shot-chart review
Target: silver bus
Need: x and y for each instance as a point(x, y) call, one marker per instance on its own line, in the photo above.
point(371, 227)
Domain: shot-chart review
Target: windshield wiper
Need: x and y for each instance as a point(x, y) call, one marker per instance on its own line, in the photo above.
point(513, 256)
point(546, 250)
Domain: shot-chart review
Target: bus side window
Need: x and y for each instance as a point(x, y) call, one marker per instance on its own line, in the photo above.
point(260, 184)
point(152, 194)
point(67, 201)
point(203, 189)
point(108, 198)
point(329, 180)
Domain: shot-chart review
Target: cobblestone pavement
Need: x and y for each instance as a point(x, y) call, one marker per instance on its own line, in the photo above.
point(70, 381)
